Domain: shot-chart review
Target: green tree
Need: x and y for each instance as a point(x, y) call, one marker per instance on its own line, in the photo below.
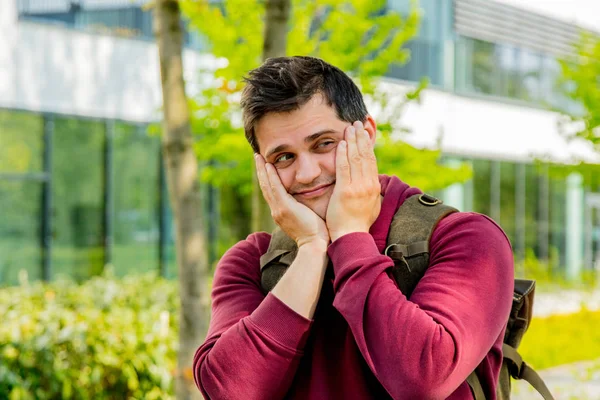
point(184, 192)
point(580, 81)
point(359, 36)
point(277, 15)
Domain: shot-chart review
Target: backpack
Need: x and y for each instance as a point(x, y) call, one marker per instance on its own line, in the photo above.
point(408, 245)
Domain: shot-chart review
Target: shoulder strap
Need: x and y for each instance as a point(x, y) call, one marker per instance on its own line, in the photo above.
point(279, 256)
point(409, 235)
point(520, 370)
point(408, 244)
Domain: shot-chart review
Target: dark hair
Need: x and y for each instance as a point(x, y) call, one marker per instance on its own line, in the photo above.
point(284, 84)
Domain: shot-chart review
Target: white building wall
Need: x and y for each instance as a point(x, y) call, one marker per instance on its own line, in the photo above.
point(48, 68)
point(494, 130)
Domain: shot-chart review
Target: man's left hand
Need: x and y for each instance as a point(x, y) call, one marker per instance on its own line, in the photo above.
point(355, 202)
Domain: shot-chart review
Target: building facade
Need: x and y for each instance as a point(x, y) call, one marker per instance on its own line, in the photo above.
point(81, 180)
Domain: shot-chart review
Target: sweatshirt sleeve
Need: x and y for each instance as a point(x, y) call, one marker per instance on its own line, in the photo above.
point(254, 343)
point(426, 347)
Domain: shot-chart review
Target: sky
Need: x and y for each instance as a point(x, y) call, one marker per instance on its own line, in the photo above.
point(585, 13)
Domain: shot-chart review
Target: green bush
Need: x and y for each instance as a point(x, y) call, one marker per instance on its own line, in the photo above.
point(102, 339)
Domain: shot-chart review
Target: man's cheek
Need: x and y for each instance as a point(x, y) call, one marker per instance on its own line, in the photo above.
point(327, 199)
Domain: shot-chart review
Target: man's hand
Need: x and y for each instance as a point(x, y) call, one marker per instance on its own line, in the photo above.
point(298, 221)
point(355, 203)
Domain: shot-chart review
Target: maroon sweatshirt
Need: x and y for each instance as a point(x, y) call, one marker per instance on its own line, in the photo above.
point(366, 340)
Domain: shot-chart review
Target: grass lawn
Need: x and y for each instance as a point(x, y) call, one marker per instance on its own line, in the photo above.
point(562, 339)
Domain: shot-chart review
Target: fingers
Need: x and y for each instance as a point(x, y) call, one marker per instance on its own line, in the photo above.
point(362, 139)
point(354, 157)
point(263, 179)
point(361, 156)
point(342, 167)
point(277, 189)
point(367, 151)
point(363, 143)
point(270, 184)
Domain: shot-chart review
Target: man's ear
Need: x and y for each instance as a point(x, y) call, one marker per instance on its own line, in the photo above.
point(371, 128)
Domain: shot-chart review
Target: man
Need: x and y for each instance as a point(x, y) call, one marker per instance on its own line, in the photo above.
point(336, 325)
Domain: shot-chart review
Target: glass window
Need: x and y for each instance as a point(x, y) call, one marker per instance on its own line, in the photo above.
point(481, 186)
point(21, 147)
point(483, 60)
point(507, 199)
point(506, 71)
point(78, 198)
point(548, 81)
point(122, 19)
point(136, 195)
point(426, 48)
point(431, 24)
point(532, 209)
point(21, 142)
point(508, 82)
point(530, 71)
point(130, 21)
point(425, 61)
point(463, 69)
point(20, 213)
point(558, 198)
point(552, 92)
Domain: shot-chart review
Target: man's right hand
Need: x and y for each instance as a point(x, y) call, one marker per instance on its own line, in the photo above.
point(298, 221)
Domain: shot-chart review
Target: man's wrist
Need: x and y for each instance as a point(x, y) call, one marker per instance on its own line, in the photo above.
point(314, 246)
point(337, 235)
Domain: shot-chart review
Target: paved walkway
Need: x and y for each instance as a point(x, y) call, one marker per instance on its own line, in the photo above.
point(564, 301)
point(579, 381)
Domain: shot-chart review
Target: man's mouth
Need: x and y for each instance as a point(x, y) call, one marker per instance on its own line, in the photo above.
point(315, 192)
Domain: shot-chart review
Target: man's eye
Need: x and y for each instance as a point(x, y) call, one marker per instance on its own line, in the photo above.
point(283, 157)
point(326, 143)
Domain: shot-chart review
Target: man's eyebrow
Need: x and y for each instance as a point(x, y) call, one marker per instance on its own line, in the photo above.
point(307, 139)
point(277, 149)
point(315, 136)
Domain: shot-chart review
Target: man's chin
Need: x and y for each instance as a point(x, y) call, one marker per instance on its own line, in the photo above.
point(319, 207)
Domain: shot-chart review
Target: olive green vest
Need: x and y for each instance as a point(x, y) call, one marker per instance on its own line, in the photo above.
point(408, 245)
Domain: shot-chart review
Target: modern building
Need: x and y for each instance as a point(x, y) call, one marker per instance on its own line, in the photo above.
point(493, 69)
point(81, 181)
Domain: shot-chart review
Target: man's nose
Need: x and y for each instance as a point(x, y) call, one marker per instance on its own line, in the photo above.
point(308, 170)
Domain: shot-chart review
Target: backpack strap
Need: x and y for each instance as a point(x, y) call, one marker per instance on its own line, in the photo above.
point(408, 238)
point(279, 256)
point(519, 321)
point(520, 370)
point(475, 385)
point(407, 244)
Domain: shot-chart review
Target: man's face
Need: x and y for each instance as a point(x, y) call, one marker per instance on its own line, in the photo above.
point(302, 145)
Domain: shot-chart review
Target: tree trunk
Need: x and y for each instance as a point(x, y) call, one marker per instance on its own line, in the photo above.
point(276, 24)
point(184, 193)
point(274, 45)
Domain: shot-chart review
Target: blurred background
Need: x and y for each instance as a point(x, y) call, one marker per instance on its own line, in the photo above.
point(491, 105)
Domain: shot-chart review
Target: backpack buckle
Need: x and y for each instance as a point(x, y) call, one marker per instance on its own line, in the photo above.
point(398, 256)
point(428, 200)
